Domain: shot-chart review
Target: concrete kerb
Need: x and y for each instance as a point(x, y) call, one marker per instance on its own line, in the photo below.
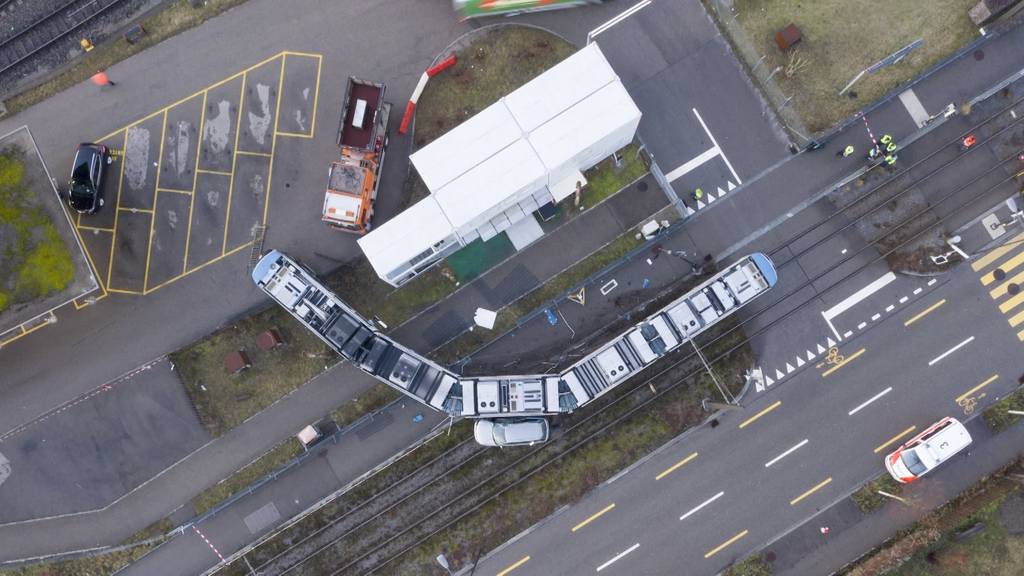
point(431, 435)
point(793, 527)
point(559, 511)
point(611, 267)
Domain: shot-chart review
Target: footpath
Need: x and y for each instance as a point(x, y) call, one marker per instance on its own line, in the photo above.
point(758, 206)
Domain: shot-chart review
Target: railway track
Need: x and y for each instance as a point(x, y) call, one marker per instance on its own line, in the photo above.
point(391, 543)
point(50, 28)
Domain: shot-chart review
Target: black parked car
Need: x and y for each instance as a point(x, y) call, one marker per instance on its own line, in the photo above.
point(84, 190)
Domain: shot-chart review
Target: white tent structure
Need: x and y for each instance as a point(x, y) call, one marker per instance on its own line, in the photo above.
point(495, 169)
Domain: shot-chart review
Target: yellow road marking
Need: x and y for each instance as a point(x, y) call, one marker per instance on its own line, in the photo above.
point(234, 161)
point(218, 172)
point(811, 491)
point(673, 467)
point(306, 54)
point(594, 517)
point(971, 392)
point(123, 291)
point(894, 439)
point(922, 313)
point(513, 566)
point(1020, 335)
point(994, 255)
point(273, 143)
point(117, 204)
point(761, 413)
point(1012, 303)
point(845, 361)
point(95, 229)
point(1002, 289)
point(316, 94)
point(188, 192)
point(719, 548)
point(152, 216)
point(195, 180)
point(1007, 266)
point(1016, 319)
point(142, 210)
point(247, 153)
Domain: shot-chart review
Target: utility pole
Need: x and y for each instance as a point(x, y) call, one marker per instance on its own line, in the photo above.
point(729, 398)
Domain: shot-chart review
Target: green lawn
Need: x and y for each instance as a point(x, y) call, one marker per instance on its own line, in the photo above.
point(843, 37)
point(868, 499)
point(34, 262)
point(275, 458)
point(490, 67)
point(997, 416)
point(224, 401)
point(992, 552)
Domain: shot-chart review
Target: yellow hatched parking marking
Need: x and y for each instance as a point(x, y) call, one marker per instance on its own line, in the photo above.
point(195, 182)
point(117, 204)
point(234, 161)
point(273, 143)
point(152, 217)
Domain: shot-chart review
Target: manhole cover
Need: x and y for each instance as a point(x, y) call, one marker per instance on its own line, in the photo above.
point(641, 186)
point(979, 55)
point(1013, 289)
point(999, 274)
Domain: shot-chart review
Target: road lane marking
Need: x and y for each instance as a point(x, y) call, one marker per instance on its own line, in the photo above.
point(719, 548)
point(692, 164)
point(208, 543)
point(811, 491)
point(971, 392)
point(719, 148)
point(1016, 319)
point(924, 312)
point(994, 255)
point(786, 453)
point(950, 351)
point(869, 401)
point(615, 20)
point(844, 362)
point(856, 298)
point(618, 556)
point(513, 566)
point(914, 107)
point(1011, 303)
point(701, 505)
point(1007, 267)
point(761, 413)
point(894, 439)
point(673, 467)
point(593, 517)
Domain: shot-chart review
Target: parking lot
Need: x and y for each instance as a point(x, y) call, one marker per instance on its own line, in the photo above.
point(189, 183)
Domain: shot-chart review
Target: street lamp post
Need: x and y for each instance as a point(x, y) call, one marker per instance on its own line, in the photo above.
point(444, 563)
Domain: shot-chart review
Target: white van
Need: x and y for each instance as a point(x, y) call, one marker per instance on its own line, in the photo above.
point(927, 450)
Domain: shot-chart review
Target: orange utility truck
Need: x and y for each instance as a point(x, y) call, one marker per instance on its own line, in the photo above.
point(353, 179)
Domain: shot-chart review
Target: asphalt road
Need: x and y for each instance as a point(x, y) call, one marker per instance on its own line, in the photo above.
point(803, 452)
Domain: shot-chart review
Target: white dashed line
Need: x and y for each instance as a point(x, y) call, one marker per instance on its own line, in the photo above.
point(870, 400)
point(848, 334)
point(212, 547)
point(861, 325)
point(903, 300)
point(876, 317)
point(701, 505)
point(890, 308)
point(950, 351)
point(786, 453)
point(917, 291)
point(618, 556)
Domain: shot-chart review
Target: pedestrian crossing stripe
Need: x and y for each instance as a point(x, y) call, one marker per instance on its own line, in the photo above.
point(1002, 289)
point(1011, 303)
point(1016, 319)
point(1006, 267)
point(996, 253)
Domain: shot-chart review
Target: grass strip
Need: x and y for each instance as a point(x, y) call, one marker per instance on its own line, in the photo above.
point(243, 477)
point(224, 400)
point(867, 497)
point(752, 566)
point(937, 544)
point(378, 396)
point(550, 290)
point(998, 416)
point(106, 563)
point(172, 20)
